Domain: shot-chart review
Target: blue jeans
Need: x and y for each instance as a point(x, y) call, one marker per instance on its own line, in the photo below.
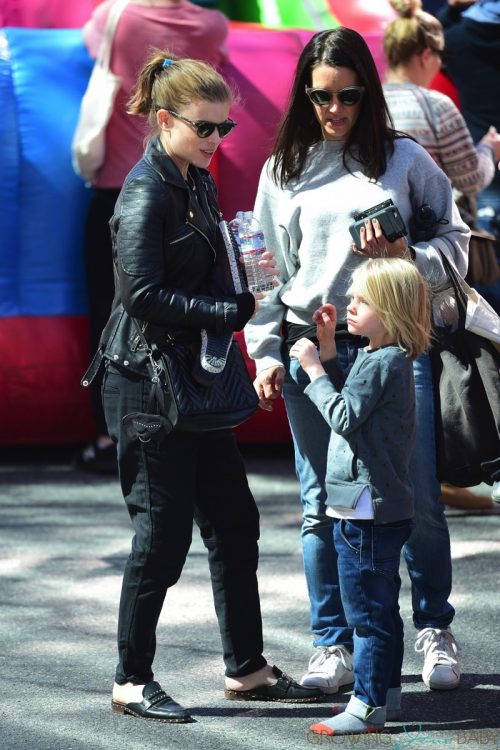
point(368, 564)
point(427, 552)
point(311, 436)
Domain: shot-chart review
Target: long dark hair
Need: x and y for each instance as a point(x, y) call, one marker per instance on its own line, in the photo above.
point(373, 132)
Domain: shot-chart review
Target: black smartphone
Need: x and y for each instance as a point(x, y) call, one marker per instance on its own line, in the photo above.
point(389, 218)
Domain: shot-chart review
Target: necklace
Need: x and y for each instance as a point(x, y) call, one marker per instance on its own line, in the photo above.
point(190, 182)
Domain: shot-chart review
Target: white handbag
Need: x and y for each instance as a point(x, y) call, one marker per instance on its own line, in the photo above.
point(480, 317)
point(89, 139)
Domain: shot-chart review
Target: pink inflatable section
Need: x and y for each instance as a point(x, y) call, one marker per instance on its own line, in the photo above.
point(49, 14)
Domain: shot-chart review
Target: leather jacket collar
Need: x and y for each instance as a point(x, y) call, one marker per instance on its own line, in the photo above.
point(204, 220)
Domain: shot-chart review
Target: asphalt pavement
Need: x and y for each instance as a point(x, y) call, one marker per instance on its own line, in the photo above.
point(64, 538)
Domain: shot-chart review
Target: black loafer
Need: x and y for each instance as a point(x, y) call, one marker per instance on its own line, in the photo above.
point(286, 690)
point(156, 705)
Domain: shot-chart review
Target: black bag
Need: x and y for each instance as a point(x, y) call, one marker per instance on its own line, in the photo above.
point(466, 371)
point(188, 405)
point(192, 407)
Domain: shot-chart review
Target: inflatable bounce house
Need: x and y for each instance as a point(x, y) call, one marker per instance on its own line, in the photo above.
point(44, 69)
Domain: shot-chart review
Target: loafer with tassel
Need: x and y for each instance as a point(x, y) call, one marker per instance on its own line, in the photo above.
point(286, 690)
point(156, 705)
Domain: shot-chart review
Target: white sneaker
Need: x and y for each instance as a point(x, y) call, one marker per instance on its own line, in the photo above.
point(329, 668)
point(495, 492)
point(441, 668)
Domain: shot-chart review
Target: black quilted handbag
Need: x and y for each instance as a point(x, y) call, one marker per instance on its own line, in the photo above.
point(183, 402)
point(192, 407)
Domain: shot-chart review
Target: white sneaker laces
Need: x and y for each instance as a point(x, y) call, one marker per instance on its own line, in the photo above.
point(440, 644)
point(327, 652)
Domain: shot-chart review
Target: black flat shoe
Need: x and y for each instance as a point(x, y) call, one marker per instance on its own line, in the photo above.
point(286, 690)
point(156, 705)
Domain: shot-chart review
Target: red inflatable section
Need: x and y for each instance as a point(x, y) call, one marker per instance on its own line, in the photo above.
point(43, 360)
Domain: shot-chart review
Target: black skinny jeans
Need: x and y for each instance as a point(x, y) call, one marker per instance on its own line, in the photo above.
point(166, 484)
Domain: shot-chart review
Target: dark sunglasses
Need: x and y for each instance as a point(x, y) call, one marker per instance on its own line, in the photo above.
point(443, 54)
point(349, 96)
point(204, 128)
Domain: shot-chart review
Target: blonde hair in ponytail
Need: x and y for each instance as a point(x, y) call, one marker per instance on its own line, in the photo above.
point(169, 82)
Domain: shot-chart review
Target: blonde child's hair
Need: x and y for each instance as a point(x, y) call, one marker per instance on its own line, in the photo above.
point(398, 294)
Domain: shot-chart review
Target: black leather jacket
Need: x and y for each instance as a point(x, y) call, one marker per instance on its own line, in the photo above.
point(166, 244)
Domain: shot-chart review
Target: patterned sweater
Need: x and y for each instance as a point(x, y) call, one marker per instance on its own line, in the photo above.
point(434, 121)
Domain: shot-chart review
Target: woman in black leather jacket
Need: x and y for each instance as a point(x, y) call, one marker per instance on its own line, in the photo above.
point(165, 243)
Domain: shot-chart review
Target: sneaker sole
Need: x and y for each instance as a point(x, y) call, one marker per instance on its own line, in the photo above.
point(342, 687)
point(442, 686)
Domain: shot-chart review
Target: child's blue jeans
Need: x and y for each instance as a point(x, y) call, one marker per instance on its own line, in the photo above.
point(368, 566)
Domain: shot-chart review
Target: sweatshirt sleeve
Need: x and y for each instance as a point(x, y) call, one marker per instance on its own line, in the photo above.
point(263, 333)
point(429, 185)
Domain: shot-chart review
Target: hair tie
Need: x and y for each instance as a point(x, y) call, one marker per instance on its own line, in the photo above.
point(167, 63)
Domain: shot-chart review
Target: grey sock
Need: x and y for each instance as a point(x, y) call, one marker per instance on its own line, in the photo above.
point(358, 718)
point(393, 705)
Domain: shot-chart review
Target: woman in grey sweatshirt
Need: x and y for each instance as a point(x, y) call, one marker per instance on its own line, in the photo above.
point(336, 154)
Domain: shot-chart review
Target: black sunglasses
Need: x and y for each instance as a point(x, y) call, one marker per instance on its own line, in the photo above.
point(443, 54)
point(204, 128)
point(349, 96)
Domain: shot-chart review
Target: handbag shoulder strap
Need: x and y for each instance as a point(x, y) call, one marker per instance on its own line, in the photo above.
point(459, 288)
point(114, 14)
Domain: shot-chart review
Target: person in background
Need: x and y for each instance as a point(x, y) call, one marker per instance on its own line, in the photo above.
point(472, 37)
point(414, 48)
point(371, 414)
point(334, 155)
point(167, 249)
point(189, 31)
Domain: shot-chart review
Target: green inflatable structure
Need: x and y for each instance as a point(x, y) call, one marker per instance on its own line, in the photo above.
point(307, 14)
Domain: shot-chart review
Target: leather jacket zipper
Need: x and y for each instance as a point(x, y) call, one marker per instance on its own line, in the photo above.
point(203, 235)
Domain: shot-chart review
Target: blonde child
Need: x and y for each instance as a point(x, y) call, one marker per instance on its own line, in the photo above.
point(370, 495)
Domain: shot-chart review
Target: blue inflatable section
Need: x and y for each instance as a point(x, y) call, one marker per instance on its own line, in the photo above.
point(43, 74)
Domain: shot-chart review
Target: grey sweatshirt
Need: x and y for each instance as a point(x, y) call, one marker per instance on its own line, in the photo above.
point(372, 416)
point(307, 227)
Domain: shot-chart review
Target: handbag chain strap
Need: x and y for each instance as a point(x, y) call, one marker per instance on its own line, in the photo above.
point(104, 54)
point(158, 376)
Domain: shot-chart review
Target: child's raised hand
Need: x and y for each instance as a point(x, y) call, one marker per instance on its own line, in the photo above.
point(307, 354)
point(325, 318)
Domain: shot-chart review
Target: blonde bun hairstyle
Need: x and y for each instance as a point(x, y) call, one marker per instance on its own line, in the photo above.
point(411, 33)
point(406, 8)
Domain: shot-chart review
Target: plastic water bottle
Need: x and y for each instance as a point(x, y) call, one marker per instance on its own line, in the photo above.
point(252, 247)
